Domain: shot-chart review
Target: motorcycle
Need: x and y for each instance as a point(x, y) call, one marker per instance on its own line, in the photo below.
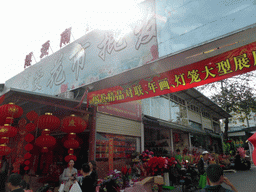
point(189, 178)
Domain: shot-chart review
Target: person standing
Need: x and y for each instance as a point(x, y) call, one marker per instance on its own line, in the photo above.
point(13, 183)
point(215, 174)
point(87, 181)
point(178, 158)
point(69, 175)
point(93, 173)
point(202, 165)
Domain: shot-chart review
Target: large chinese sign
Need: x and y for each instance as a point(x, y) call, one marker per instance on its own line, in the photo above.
point(228, 64)
point(185, 24)
point(97, 55)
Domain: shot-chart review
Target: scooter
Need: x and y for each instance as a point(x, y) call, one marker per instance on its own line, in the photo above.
point(189, 179)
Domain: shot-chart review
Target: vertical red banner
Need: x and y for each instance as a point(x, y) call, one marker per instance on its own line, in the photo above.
point(111, 154)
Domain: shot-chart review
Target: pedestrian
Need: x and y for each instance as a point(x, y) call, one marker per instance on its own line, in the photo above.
point(69, 175)
point(14, 181)
point(216, 178)
point(178, 158)
point(202, 165)
point(3, 173)
point(87, 181)
point(93, 173)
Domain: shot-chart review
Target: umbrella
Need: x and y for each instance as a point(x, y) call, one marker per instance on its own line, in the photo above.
point(252, 145)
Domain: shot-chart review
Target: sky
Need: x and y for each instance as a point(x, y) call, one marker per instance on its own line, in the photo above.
point(28, 24)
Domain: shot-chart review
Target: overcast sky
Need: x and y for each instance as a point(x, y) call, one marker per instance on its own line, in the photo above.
point(28, 24)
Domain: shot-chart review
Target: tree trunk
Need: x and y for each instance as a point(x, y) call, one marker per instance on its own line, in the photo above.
point(225, 135)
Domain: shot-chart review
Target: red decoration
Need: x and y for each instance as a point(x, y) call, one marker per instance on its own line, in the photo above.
point(28, 60)
point(29, 137)
point(11, 110)
point(26, 168)
point(27, 162)
point(4, 140)
point(73, 124)
point(32, 116)
point(71, 143)
point(71, 151)
point(65, 37)
point(45, 48)
point(28, 147)
point(252, 145)
point(70, 157)
point(22, 122)
point(27, 155)
point(48, 121)
point(45, 141)
point(44, 150)
point(4, 150)
point(8, 120)
point(2, 120)
point(7, 131)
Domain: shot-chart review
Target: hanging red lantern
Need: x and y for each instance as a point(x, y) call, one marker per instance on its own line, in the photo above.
point(70, 157)
point(2, 120)
point(29, 137)
point(73, 124)
point(26, 168)
point(28, 147)
point(30, 127)
point(45, 141)
point(4, 150)
point(71, 143)
point(11, 110)
point(7, 131)
point(27, 155)
point(48, 121)
point(8, 120)
point(27, 162)
point(32, 116)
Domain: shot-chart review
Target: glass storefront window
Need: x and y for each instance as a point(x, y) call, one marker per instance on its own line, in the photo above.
point(124, 146)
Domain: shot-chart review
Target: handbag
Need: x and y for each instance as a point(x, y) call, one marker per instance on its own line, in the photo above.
point(61, 188)
point(202, 181)
point(75, 188)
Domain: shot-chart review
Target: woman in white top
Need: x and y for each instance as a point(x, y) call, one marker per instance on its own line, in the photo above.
point(69, 175)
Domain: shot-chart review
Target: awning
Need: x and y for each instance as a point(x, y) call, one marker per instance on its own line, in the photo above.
point(181, 127)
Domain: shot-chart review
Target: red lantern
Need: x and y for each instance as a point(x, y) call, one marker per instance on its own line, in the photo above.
point(30, 127)
point(45, 141)
point(70, 157)
point(71, 151)
point(7, 131)
point(8, 120)
point(73, 124)
point(4, 150)
point(11, 110)
point(27, 155)
point(2, 120)
point(71, 143)
point(48, 121)
point(28, 147)
point(29, 137)
point(32, 116)
point(26, 168)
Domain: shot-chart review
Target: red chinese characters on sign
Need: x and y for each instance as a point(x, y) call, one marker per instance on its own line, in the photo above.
point(65, 37)
point(228, 64)
point(28, 60)
point(44, 49)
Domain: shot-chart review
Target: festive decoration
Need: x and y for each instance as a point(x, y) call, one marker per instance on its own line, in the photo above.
point(27, 155)
point(29, 137)
point(45, 141)
point(26, 168)
point(28, 147)
point(48, 121)
point(4, 140)
point(7, 131)
point(71, 143)
point(32, 116)
point(11, 110)
point(27, 162)
point(70, 157)
point(73, 124)
point(30, 127)
point(4, 150)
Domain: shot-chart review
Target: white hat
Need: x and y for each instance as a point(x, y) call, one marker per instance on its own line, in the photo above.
point(205, 152)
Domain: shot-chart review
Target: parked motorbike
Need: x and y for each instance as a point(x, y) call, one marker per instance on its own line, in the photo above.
point(189, 179)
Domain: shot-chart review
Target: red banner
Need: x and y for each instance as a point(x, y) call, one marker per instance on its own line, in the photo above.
point(225, 65)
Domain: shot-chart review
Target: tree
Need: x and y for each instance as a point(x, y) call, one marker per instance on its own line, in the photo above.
point(234, 95)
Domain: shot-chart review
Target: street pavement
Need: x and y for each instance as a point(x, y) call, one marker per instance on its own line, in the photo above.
point(244, 181)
